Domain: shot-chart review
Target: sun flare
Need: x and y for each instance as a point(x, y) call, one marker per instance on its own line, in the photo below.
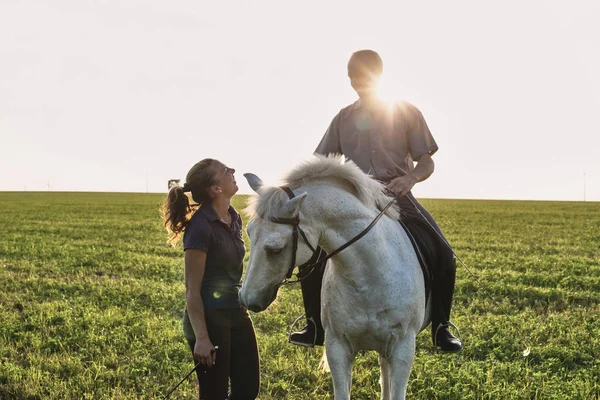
point(386, 91)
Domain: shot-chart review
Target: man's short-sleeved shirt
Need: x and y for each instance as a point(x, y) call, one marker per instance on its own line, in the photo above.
point(383, 143)
point(224, 247)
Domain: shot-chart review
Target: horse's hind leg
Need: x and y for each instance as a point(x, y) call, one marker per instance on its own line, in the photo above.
point(384, 377)
point(340, 358)
point(401, 360)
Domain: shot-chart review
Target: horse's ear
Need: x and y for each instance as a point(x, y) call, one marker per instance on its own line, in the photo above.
point(292, 206)
point(254, 181)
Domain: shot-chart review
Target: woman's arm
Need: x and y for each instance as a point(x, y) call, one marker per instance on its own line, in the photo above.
point(195, 264)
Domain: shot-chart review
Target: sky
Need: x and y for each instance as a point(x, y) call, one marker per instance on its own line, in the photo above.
point(123, 95)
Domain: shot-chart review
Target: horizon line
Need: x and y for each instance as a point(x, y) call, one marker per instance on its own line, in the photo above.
point(251, 194)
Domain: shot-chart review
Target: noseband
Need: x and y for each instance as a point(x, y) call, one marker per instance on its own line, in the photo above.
point(316, 258)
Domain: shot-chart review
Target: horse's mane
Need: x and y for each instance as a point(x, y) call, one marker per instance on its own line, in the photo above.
point(333, 167)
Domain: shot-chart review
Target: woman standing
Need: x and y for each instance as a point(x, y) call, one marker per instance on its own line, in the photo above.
point(214, 255)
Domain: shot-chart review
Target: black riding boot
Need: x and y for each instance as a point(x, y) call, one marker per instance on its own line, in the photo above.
point(312, 334)
point(443, 290)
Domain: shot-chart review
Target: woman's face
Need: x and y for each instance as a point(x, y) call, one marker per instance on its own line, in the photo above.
point(225, 180)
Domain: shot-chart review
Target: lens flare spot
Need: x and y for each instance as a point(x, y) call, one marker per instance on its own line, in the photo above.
point(363, 122)
point(217, 295)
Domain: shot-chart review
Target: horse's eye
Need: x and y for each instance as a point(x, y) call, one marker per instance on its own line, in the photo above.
point(274, 251)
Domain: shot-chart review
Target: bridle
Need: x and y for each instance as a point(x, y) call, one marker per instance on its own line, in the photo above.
point(316, 258)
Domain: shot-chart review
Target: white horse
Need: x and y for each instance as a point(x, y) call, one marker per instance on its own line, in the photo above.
point(373, 294)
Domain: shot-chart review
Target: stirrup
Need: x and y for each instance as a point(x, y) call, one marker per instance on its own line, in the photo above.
point(312, 321)
point(442, 325)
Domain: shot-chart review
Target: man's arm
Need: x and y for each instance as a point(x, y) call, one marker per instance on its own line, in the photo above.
point(423, 170)
point(421, 146)
point(330, 143)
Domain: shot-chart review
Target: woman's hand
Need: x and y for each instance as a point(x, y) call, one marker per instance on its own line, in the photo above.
point(205, 352)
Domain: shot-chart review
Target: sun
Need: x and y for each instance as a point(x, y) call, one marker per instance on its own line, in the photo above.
point(387, 90)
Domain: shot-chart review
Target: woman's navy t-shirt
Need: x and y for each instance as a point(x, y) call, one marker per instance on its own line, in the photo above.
point(225, 251)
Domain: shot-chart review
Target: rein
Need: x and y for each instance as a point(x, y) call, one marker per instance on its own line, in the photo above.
point(295, 223)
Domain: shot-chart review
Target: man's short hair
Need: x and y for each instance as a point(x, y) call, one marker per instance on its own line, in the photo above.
point(365, 61)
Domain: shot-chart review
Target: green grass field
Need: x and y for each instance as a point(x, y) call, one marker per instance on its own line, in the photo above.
point(92, 296)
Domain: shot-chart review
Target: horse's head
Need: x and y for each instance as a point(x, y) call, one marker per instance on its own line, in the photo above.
point(273, 251)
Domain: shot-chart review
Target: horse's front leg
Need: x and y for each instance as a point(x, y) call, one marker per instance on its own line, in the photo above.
point(400, 363)
point(384, 377)
point(339, 358)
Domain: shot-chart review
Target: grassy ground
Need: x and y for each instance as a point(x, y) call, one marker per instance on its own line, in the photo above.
point(91, 300)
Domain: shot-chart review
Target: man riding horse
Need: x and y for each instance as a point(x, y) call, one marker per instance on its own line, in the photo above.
point(384, 140)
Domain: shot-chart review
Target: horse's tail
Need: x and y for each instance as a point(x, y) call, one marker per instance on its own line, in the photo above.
point(324, 365)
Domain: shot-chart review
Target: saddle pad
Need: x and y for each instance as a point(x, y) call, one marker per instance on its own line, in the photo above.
point(421, 245)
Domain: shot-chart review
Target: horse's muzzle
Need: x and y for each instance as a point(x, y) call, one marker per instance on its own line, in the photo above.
point(255, 307)
point(256, 303)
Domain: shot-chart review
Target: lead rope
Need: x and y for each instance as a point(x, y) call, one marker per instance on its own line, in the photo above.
point(181, 381)
point(185, 377)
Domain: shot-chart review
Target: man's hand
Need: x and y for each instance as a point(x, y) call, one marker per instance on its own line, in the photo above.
point(402, 184)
